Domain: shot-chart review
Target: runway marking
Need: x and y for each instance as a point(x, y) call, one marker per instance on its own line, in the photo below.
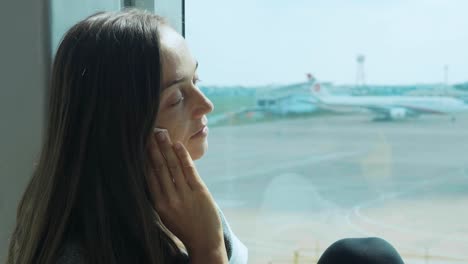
point(356, 210)
point(356, 214)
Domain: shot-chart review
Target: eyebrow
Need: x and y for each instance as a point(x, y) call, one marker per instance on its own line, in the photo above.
point(176, 81)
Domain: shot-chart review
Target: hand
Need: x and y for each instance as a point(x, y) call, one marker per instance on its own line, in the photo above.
point(182, 200)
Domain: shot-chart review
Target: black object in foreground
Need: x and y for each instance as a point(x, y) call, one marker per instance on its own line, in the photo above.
point(370, 250)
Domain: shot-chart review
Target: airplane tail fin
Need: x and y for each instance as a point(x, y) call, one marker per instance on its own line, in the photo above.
point(318, 91)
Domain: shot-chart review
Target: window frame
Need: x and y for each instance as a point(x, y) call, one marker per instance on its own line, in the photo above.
point(174, 11)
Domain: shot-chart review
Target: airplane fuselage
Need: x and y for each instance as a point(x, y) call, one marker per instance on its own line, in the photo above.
point(426, 104)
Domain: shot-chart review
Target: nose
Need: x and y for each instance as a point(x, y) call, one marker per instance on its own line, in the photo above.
point(203, 105)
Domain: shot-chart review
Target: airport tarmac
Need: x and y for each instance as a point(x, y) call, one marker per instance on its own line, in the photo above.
point(298, 185)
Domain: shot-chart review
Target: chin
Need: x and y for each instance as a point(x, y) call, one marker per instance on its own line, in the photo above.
point(197, 151)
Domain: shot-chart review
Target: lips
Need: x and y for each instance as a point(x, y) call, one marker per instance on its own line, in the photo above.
point(199, 130)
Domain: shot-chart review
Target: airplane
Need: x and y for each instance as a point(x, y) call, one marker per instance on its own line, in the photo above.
point(387, 108)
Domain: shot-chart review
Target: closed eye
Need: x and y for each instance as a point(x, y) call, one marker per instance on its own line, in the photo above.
point(181, 98)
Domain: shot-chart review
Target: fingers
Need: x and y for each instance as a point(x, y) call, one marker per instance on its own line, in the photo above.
point(154, 185)
point(193, 179)
point(172, 161)
point(161, 170)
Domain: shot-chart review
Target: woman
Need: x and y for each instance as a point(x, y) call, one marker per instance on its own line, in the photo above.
point(101, 174)
point(115, 182)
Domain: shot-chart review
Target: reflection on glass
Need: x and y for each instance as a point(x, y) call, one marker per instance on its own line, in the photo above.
point(337, 119)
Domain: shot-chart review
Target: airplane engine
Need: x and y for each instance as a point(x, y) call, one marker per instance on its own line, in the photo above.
point(398, 113)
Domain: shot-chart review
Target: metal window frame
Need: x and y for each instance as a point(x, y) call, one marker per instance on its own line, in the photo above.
point(172, 10)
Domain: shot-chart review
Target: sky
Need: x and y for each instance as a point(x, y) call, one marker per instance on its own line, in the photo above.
point(263, 42)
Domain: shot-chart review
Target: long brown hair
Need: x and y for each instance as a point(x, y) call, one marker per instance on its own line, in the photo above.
point(89, 184)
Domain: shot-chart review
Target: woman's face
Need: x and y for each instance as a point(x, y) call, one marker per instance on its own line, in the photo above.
point(182, 107)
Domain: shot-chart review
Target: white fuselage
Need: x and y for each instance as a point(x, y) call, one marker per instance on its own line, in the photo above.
point(423, 104)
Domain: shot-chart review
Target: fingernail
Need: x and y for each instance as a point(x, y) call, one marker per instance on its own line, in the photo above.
point(160, 133)
point(157, 129)
point(161, 136)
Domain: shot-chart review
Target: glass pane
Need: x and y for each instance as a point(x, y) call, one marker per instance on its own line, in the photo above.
point(337, 119)
point(65, 13)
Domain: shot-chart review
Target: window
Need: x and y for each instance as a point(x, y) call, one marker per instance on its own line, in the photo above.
point(336, 119)
point(65, 14)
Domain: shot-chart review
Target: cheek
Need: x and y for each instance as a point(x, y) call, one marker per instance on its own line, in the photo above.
point(177, 130)
point(177, 123)
point(176, 136)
